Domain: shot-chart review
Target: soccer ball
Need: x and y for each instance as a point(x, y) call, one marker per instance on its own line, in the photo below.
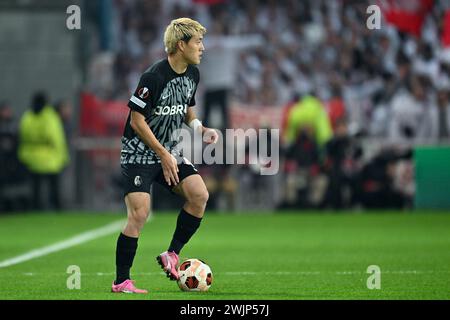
point(195, 275)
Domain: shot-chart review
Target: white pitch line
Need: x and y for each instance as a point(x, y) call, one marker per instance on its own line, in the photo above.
point(58, 246)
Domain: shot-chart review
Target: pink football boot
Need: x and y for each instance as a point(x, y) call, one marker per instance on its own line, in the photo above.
point(168, 262)
point(126, 287)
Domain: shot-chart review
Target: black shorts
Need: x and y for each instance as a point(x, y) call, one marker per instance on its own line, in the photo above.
point(139, 178)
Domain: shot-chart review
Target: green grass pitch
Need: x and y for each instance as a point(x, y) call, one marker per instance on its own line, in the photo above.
point(281, 256)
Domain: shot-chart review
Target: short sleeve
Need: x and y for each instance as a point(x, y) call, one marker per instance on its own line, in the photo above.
point(192, 101)
point(142, 99)
point(196, 80)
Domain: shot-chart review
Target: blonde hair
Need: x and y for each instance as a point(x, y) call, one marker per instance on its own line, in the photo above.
point(181, 29)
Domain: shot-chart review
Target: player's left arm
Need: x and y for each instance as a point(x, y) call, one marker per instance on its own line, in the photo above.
point(209, 135)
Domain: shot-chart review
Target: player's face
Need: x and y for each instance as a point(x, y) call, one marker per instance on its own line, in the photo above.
point(194, 50)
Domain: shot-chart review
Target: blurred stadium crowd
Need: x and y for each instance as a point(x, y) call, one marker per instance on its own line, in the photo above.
point(284, 49)
point(352, 101)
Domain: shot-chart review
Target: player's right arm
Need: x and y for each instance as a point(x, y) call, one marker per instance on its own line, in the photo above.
point(168, 162)
point(141, 104)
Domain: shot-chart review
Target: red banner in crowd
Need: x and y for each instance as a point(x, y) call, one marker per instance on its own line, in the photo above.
point(245, 116)
point(103, 118)
point(406, 15)
point(106, 118)
point(445, 37)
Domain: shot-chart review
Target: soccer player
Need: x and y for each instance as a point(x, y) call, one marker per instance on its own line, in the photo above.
point(163, 100)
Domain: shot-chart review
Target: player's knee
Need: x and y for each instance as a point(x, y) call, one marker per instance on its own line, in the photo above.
point(200, 198)
point(138, 217)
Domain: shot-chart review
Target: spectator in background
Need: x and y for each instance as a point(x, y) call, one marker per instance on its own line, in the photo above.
point(375, 185)
point(219, 71)
point(309, 115)
point(12, 172)
point(6, 117)
point(424, 62)
point(343, 153)
point(308, 129)
point(381, 100)
point(335, 107)
point(43, 149)
point(409, 121)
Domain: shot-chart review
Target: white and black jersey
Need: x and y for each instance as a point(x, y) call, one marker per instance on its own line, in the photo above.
point(163, 97)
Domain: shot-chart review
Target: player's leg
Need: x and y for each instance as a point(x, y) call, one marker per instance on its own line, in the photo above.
point(137, 182)
point(138, 209)
point(193, 190)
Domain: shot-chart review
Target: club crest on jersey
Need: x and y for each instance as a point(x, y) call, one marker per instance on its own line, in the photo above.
point(143, 93)
point(137, 181)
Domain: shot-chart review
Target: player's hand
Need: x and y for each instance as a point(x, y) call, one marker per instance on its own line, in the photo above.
point(170, 168)
point(210, 136)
